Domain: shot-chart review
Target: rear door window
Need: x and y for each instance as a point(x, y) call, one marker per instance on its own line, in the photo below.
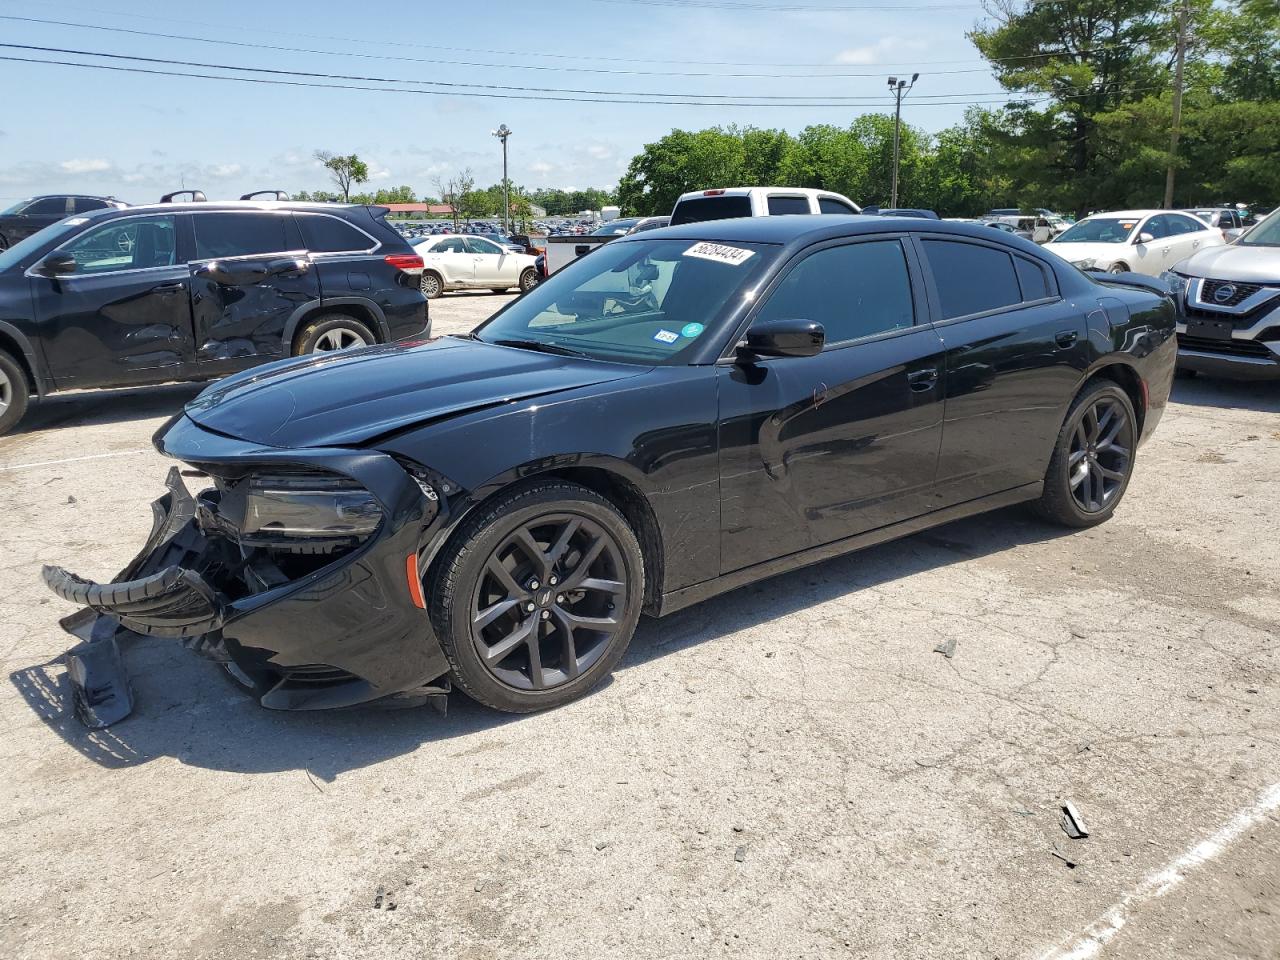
point(832, 205)
point(782, 205)
point(325, 234)
point(239, 234)
point(854, 291)
point(452, 245)
point(49, 207)
point(85, 204)
point(971, 278)
point(701, 209)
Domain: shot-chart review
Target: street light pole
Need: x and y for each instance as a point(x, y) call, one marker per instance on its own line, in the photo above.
point(1183, 14)
point(502, 133)
point(899, 88)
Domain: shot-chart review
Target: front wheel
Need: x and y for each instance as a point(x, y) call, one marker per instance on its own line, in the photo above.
point(528, 279)
point(1117, 268)
point(1093, 458)
point(14, 393)
point(538, 596)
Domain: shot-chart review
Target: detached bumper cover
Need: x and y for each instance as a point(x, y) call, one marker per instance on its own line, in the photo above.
point(345, 632)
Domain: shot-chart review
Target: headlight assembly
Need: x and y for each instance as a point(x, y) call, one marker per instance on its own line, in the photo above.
point(1088, 264)
point(1175, 282)
point(308, 506)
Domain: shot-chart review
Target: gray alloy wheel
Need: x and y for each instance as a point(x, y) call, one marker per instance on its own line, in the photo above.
point(528, 279)
point(14, 393)
point(339, 338)
point(1092, 459)
point(1117, 268)
point(431, 284)
point(1101, 454)
point(549, 602)
point(6, 393)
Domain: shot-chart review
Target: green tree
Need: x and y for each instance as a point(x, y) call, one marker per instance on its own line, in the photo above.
point(344, 170)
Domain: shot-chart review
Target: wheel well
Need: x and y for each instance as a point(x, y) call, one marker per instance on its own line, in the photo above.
point(14, 350)
point(1128, 380)
point(351, 310)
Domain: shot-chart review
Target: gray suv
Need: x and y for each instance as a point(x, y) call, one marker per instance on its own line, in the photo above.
point(1229, 306)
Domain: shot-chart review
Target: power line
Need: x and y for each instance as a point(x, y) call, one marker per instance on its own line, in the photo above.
point(522, 92)
point(451, 93)
point(542, 67)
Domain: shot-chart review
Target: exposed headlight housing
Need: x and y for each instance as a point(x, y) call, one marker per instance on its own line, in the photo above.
point(307, 506)
point(1087, 264)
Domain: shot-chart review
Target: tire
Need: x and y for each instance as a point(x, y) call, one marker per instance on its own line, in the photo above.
point(333, 331)
point(465, 587)
point(528, 279)
point(1117, 268)
point(14, 393)
point(4, 243)
point(432, 285)
point(1087, 476)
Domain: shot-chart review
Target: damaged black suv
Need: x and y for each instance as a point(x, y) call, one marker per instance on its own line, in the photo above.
point(194, 291)
point(683, 412)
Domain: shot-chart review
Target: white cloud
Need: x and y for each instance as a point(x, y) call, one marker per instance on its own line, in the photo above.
point(879, 51)
point(95, 165)
point(224, 171)
point(541, 168)
point(599, 152)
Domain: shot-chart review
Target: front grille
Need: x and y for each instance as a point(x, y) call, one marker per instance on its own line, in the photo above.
point(1242, 292)
point(1231, 348)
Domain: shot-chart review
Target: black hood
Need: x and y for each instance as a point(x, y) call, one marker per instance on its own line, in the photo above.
point(346, 399)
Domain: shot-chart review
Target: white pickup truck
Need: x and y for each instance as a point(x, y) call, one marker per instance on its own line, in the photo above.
point(724, 203)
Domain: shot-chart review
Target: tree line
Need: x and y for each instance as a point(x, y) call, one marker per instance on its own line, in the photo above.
point(1090, 127)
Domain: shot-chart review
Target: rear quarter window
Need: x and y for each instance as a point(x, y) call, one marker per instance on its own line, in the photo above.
point(1033, 279)
point(324, 234)
point(702, 209)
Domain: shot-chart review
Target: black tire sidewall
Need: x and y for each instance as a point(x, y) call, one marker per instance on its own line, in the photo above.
point(453, 594)
point(21, 393)
point(313, 329)
point(1057, 502)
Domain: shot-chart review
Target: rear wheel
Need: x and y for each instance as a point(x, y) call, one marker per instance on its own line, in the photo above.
point(539, 597)
point(14, 393)
point(1093, 458)
point(432, 285)
point(334, 331)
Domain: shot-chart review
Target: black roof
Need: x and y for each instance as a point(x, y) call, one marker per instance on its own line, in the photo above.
point(805, 229)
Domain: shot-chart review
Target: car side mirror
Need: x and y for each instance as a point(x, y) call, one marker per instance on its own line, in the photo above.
point(56, 265)
point(1145, 237)
point(783, 338)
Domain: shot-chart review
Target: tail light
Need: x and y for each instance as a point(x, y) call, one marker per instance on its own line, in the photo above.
point(408, 262)
point(713, 193)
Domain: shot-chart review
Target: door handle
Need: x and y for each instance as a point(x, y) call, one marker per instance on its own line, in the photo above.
point(922, 380)
point(168, 289)
point(1065, 338)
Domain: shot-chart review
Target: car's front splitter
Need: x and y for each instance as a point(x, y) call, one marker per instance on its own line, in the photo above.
point(346, 633)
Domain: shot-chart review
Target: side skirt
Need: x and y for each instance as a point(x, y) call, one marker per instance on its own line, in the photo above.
point(696, 593)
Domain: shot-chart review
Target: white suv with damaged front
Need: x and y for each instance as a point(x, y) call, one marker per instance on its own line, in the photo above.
point(1228, 301)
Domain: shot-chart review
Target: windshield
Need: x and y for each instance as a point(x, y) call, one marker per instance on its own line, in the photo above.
point(1265, 234)
point(643, 301)
point(1099, 230)
point(615, 228)
point(48, 237)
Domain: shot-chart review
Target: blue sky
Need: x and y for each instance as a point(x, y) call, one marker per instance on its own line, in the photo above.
point(138, 135)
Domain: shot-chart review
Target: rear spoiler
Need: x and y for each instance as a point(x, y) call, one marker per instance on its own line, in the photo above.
point(197, 196)
point(1139, 280)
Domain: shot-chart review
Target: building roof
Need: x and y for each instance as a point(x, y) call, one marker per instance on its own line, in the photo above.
point(442, 209)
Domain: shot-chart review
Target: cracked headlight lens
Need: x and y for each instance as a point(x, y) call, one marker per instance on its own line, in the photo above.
point(304, 505)
point(1088, 264)
point(1175, 282)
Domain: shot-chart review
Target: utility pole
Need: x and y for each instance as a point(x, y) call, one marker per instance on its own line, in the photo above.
point(1184, 14)
point(899, 88)
point(502, 133)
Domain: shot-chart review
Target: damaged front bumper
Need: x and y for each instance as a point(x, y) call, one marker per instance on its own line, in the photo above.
point(304, 624)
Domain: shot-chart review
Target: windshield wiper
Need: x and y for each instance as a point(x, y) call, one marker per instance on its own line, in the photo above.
point(542, 347)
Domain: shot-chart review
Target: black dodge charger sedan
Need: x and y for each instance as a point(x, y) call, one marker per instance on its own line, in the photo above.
point(681, 413)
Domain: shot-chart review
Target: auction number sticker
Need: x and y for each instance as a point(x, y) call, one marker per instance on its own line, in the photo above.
point(666, 336)
point(720, 253)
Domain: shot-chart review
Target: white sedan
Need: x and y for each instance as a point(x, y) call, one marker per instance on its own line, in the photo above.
point(1137, 241)
point(454, 262)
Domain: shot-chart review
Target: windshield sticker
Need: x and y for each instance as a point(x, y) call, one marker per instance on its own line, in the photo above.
point(691, 330)
point(666, 336)
point(734, 256)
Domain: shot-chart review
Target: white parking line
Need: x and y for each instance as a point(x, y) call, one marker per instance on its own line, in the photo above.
point(1095, 936)
point(54, 463)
